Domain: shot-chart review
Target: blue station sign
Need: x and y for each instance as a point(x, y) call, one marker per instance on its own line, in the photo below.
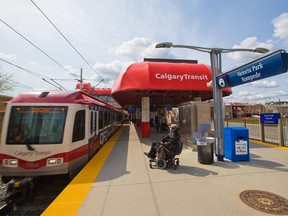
point(269, 118)
point(270, 65)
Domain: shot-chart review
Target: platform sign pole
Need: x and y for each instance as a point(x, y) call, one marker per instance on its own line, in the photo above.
point(215, 57)
point(81, 79)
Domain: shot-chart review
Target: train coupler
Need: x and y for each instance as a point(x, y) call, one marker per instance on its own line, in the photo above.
point(20, 189)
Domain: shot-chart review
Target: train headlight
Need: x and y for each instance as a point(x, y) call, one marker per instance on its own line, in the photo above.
point(10, 162)
point(54, 161)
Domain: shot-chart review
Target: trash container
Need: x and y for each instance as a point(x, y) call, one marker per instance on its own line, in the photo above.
point(236, 143)
point(205, 150)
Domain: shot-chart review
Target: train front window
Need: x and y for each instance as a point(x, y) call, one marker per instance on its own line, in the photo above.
point(36, 125)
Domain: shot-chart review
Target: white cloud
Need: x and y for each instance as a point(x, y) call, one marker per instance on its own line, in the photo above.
point(264, 84)
point(152, 52)
point(109, 71)
point(139, 48)
point(73, 71)
point(281, 26)
point(133, 49)
point(35, 65)
point(244, 93)
point(246, 96)
point(249, 43)
point(8, 56)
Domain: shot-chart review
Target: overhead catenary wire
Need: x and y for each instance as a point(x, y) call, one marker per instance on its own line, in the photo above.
point(36, 74)
point(52, 83)
point(37, 47)
point(24, 86)
point(67, 41)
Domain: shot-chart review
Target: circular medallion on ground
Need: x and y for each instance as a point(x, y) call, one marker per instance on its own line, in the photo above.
point(265, 202)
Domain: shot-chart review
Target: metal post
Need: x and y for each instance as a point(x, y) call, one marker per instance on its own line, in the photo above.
point(81, 79)
point(280, 132)
point(215, 56)
point(262, 132)
point(145, 110)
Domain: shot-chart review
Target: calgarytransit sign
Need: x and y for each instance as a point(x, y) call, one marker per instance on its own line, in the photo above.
point(270, 65)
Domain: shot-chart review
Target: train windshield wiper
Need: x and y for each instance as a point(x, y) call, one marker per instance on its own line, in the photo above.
point(29, 146)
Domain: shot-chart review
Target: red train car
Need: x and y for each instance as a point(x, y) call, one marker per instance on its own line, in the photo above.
point(53, 132)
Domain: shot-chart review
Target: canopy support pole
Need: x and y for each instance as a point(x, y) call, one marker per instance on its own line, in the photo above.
point(145, 106)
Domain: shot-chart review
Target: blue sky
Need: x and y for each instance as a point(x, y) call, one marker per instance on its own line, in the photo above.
point(111, 35)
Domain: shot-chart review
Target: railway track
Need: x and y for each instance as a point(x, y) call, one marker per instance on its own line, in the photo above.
point(31, 196)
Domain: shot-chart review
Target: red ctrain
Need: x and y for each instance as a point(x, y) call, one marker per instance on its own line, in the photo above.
point(54, 132)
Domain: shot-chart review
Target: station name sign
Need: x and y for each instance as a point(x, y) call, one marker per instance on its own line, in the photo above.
point(269, 118)
point(270, 65)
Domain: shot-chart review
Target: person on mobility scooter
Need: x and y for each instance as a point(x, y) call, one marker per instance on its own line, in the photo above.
point(163, 152)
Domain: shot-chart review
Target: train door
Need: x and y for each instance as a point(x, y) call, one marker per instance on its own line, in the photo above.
point(101, 127)
point(97, 122)
point(93, 140)
point(92, 124)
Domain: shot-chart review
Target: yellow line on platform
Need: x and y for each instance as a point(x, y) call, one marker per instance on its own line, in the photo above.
point(269, 144)
point(72, 197)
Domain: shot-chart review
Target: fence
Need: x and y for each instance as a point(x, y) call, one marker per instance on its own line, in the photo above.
point(277, 134)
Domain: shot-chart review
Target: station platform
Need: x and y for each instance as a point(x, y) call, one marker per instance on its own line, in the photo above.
point(118, 181)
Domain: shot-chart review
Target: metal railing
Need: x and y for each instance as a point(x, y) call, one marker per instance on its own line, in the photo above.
point(271, 133)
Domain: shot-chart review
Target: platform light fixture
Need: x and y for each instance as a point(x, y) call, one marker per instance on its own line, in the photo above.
point(215, 58)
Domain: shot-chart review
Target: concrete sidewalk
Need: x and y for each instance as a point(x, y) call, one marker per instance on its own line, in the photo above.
point(127, 186)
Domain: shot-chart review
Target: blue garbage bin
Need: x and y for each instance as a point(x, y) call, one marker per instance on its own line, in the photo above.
point(236, 143)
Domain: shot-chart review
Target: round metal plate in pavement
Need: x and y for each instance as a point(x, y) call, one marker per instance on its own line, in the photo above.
point(265, 201)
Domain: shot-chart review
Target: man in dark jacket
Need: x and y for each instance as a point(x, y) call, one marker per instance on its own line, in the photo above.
point(169, 142)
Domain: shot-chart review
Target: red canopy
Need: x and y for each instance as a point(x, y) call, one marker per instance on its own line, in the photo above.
point(165, 83)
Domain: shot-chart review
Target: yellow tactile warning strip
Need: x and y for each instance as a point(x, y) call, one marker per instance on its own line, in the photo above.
point(72, 197)
point(269, 144)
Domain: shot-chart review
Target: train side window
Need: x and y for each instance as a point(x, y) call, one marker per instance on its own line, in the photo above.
point(110, 118)
point(106, 118)
point(95, 121)
point(114, 118)
point(79, 126)
point(101, 120)
point(92, 128)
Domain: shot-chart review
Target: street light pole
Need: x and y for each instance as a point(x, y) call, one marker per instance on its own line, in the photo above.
point(215, 58)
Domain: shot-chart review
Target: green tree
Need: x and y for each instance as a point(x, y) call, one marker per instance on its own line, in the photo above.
point(7, 82)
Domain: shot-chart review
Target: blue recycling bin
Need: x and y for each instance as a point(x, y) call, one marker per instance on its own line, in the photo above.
point(236, 143)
